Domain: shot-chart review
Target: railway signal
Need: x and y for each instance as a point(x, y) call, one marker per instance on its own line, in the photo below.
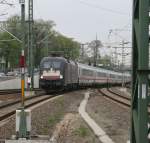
point(22, 66)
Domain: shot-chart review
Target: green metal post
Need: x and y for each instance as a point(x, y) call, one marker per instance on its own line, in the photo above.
point(30, 44)
point(139, 118)
point(23, 124)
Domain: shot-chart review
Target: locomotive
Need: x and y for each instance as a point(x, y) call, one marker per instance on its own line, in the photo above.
point(60, 73)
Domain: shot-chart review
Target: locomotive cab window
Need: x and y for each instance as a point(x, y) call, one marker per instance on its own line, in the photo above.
point(56, 65)
point(48, 65)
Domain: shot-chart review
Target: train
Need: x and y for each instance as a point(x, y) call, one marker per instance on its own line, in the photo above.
point(60, 73)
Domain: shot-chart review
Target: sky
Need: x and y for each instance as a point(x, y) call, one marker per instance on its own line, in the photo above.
point(82, 20)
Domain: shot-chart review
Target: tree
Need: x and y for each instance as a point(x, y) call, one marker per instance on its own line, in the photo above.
point(9, 51)
point(105, 62)
point(46, 39)
point(43, 32)
point(67, 45)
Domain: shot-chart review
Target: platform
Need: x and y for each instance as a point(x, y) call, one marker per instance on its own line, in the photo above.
point(15, 83)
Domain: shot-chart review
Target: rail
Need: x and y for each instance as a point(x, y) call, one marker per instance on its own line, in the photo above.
point(116, 97)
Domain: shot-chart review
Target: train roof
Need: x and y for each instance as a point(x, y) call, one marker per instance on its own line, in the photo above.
point(102, 70)
point(62, 59)
point(54, 58)
point(97, 69)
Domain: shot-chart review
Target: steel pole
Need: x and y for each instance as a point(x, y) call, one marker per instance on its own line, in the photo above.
point(22, 51)
point(30, 44)
point(122, 63)
point(23, 124)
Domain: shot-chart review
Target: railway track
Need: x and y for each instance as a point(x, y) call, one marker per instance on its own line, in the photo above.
point(10, 91)
point(19, 100)
point(13, 91)
point(10, 109)
point(116, 97)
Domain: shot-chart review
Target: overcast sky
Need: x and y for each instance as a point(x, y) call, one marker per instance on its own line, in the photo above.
point(82, 19)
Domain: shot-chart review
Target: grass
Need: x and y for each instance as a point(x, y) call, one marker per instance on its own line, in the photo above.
point(58, 114)
point(53, 119)
point(60, 102)
point(81, 131)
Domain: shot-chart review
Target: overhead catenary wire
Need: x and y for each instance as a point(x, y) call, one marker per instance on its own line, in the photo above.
point(6, 3)
point(102, 8)
point(2, 29)
point(3, 14)
point(9, 40)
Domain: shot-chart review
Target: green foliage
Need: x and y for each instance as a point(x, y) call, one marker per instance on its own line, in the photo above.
point(81, 131)
point(46, 39)
point(105, 61)
point(43, 31)
point(60, 102)
point(10, 48)
point(67, 45)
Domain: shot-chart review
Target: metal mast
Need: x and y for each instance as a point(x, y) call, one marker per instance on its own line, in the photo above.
point(30, 44)
point(95, 52)
point(22, 123)
point(140, 51)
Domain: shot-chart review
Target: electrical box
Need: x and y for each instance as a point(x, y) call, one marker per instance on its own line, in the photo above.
point(28, 120)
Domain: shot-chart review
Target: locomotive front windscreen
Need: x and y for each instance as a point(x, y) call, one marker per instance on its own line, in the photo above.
point(51, 64)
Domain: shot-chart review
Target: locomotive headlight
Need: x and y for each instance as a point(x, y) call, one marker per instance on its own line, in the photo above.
point(41, 76)
point(61, 77)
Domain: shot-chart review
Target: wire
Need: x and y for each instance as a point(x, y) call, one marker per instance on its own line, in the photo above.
point(102, 8)
point(3, 14)
point(7, 6)
point(9, 40)
point(2, 29)
point(5, 2)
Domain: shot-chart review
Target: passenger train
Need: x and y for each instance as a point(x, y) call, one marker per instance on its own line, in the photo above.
point(60, 73)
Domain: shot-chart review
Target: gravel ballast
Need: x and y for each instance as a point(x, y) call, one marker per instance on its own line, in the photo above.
point(47, 117)
point(111, 117)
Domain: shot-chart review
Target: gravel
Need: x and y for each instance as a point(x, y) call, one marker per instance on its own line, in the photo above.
point(72, 129)
point(114, 119)
point(45, 119)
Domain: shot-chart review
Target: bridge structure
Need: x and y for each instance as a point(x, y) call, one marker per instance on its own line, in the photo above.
point(140, 51)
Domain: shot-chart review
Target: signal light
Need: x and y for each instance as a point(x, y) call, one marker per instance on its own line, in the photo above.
point(22, 60)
